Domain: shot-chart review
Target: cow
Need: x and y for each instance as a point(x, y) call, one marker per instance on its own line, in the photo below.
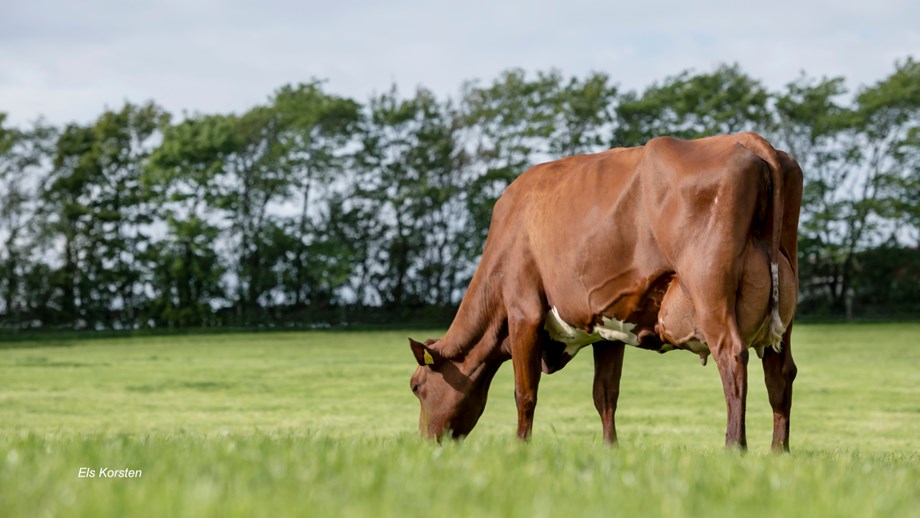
point(677, 244)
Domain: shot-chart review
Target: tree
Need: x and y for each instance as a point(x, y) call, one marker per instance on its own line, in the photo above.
point(813, 125)
point(585, 114)
point(93, 203)
point(693, 105)
point(888, 118)
point(353, 231)
point(183, 177)
point(410, 176)
point(861, 169)
point(21, 161)
point(886, 158)
point(317, 127)
point(310, 202)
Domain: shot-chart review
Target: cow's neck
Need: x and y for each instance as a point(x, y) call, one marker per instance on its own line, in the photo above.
point(475, 337)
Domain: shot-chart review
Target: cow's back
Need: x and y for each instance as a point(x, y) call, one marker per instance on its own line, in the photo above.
point(604, 233)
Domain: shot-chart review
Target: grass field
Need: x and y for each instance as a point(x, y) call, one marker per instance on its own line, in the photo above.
point(324, 424)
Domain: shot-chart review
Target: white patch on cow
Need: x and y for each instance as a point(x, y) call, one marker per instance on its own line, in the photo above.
point(776, 324)
point(617, 331)
point(575, 339)
point(774, 278)
point(572, 349)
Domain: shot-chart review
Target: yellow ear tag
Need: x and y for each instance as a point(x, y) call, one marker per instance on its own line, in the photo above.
point(428, 359)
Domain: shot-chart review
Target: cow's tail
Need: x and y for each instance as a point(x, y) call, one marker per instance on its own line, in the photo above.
point(765, 151)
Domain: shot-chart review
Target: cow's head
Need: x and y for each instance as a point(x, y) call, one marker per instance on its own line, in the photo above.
point(451, 399)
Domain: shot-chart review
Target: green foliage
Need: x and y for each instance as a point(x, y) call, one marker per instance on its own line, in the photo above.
point(94, 201)
point(223, 175)
point(22, 281)
point(888, 275)
point(317, 126)
point(324, 423)
point(585, 114)
point(693, 105)
point(861, 172)
point(182, 177)
point(888, 114)
point(410, 175)
point(312, 204)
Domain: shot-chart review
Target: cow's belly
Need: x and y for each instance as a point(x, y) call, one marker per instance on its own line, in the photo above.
point(676, 323)
point(570, 339)
point(616, 308)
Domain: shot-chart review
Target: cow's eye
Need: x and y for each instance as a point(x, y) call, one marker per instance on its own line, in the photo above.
point(415, 388)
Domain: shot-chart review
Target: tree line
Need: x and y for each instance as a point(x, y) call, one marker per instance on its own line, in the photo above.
point(315, 208)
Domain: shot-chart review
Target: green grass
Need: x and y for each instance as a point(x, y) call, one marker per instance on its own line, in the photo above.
point(324, 424)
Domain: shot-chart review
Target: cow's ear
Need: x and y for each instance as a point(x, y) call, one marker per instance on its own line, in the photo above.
point(424, 355)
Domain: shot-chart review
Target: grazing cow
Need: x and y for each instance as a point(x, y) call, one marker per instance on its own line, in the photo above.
point(678, 244)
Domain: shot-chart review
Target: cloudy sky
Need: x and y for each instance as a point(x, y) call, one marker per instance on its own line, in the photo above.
point(67, 60)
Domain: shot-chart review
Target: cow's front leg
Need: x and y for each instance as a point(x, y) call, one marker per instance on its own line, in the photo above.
point(608, 366)
point(524, 332)
point(779, 372)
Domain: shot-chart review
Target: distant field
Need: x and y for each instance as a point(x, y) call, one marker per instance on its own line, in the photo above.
point(324, 424)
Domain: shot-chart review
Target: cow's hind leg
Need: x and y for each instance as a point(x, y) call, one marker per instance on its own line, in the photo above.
point(713, 295)
point(731, 355)
point(732, 362)
point(779, 372)
point(608, 366)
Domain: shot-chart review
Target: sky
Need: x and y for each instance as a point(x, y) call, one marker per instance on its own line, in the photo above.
point(67, 61)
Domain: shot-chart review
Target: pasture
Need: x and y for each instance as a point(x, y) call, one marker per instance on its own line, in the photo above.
point(324, 424)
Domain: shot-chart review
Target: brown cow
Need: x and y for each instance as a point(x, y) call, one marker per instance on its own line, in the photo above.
point(662, 246)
